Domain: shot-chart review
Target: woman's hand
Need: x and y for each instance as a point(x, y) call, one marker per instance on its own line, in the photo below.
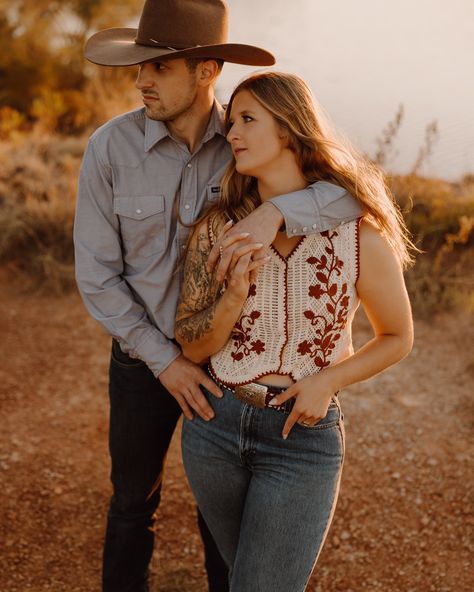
point(261, 226)
point(241, 263)
point(312, 396)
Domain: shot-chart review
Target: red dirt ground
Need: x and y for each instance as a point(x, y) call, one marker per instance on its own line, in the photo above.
point(403, 522)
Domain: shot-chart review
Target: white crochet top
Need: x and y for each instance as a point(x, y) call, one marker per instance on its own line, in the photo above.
point(297, 317)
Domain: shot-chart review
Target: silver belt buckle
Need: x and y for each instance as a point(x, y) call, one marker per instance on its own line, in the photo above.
point(253, 394)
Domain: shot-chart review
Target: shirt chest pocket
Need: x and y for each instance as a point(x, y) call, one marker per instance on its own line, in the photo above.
point(142, 224)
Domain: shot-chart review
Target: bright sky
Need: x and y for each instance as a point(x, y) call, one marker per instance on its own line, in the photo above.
point(362, 58)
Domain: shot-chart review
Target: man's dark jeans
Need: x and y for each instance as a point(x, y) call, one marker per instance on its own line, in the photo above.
point(143, 416)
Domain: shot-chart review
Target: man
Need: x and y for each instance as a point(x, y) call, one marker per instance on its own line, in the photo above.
point(145, 176)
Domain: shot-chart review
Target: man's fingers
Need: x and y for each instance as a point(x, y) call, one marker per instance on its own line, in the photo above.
point(196, 399)
point(211, 386)
point(224, 229)
point(184, 406)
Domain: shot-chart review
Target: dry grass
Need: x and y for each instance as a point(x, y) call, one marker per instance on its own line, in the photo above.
point(440, 216)
point(37, 200)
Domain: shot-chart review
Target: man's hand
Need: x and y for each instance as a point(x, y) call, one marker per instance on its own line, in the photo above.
point(261, 226)
point(182, 379)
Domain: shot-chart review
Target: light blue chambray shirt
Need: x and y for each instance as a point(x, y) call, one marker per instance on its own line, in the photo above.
point(129, 241)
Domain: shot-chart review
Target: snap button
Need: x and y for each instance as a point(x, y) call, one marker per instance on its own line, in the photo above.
point(190, 166)
point(304, 229)
point(314, 226)
point(138, 211)
point(187, 206)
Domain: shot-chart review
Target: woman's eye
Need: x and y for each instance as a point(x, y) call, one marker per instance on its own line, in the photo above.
point(247, 118)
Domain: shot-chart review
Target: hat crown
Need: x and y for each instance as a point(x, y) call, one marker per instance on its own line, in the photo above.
point(183, 23)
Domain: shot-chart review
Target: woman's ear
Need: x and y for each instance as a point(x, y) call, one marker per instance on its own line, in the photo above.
point(284, 136)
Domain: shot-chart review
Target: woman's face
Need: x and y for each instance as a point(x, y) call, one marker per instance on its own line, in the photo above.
point(255, 137)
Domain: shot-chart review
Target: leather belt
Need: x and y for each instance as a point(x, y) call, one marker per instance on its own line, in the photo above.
point(258, 395)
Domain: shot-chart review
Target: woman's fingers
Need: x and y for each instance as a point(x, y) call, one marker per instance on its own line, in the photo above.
point(239, 252)
point(240, 271)
point(215, 254)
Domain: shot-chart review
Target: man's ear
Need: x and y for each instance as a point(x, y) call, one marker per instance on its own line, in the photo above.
point(209, 71)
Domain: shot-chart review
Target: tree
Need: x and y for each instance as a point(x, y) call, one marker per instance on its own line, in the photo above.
point(42, 70)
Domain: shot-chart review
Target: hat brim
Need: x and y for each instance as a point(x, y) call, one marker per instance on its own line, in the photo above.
point(117, 47)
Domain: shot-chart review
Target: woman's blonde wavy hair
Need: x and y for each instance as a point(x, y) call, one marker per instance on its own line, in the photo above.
point(321, 154)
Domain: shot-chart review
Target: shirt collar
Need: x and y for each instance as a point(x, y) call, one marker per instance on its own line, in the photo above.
point(155, 131)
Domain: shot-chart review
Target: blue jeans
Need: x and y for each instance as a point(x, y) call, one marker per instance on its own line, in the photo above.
point(143, 416)
point(268, 502)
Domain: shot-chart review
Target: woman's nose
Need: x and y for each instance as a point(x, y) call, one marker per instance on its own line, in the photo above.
point(232, 134)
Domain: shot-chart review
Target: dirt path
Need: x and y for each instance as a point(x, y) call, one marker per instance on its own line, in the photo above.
point(402, 523)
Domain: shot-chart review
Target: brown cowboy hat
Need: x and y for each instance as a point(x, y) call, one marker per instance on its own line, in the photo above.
point(171, 29)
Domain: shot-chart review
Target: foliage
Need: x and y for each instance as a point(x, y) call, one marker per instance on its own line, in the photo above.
point(43, 76)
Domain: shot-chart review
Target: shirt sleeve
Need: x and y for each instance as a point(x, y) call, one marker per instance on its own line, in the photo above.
point(319, 207)
point(99, 269)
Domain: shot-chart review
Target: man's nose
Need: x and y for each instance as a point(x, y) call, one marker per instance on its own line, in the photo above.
point(144, 79)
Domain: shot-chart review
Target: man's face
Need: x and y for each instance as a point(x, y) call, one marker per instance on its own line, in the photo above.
point(168, 88)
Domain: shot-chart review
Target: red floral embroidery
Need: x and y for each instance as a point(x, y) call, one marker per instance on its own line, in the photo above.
point(252, 290)
point(327, 328)
point(241, 337)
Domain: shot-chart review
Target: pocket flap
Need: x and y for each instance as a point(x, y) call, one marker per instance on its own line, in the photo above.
point(139, 207)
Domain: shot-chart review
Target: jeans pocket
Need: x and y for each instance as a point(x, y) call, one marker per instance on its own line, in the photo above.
point(122, 359)
point(332, 419)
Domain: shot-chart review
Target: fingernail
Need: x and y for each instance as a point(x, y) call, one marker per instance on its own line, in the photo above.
point(245, 234)
point(274, 401)
point(285, 436)
point(259, 245)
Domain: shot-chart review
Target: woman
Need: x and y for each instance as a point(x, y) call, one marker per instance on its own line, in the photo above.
point(266, 470)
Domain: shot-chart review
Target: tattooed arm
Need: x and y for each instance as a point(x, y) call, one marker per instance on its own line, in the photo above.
point(205, 316)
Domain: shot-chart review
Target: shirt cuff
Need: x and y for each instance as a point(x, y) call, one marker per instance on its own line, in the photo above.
point(317, 208)
point(156, 351)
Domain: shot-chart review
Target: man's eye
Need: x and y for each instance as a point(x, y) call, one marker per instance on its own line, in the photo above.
point(158, 66)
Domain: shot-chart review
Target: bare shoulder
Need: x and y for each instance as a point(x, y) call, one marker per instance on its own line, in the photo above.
point(372, 241)
point(377, 257)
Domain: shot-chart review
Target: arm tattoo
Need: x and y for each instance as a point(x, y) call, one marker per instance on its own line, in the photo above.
point(199, 293)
